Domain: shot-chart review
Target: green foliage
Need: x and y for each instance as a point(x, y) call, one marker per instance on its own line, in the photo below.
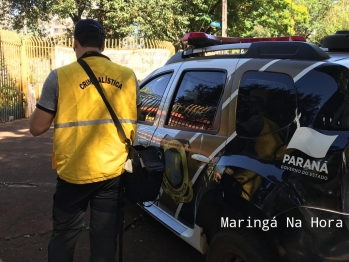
point(268, 18)
point(157, 19)
point(336, 19)
point(25, 14)
point(171, 19)
point(317, 12)
point(73, 9)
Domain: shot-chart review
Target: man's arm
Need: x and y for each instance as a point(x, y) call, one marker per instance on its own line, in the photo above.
point(46, 108)
point(40, 122)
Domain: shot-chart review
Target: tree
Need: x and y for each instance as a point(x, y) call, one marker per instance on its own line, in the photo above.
point(268, 18)
point(5, 22)
point(24, 15)
point(318, 10)
point(158, 19)
point(73, 9)
point(335, 19)
point(170, 19)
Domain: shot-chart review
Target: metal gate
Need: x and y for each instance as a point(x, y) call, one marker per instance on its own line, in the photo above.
point(11, 91)
point(26, 61)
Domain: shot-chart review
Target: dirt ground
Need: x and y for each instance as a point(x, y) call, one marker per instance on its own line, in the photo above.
point(26, 188)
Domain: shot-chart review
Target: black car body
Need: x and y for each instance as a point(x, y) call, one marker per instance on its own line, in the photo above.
point(255, 149)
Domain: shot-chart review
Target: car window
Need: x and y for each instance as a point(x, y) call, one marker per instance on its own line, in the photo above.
point(151, 94)
point(266, 103)
point(196, 101)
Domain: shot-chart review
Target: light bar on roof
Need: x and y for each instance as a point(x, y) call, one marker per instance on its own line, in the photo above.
point(201, 39)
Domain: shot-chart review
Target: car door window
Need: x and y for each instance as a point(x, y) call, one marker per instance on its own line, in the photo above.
point(196, 101)
point(264, 97)
point(151, 94)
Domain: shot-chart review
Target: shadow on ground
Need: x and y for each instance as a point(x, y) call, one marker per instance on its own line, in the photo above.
point(26, 187)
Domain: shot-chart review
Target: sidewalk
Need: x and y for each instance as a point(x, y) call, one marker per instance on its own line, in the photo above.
point(26, 188)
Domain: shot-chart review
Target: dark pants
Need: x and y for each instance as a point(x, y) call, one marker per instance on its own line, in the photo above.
point(70, 202)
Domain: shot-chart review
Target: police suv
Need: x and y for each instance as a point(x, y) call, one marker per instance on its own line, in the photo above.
point(255, 133)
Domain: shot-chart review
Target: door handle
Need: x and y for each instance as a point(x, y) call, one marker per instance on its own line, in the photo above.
point(200, 158)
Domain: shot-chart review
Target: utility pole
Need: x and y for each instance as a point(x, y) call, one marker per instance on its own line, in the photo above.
point(224, 17)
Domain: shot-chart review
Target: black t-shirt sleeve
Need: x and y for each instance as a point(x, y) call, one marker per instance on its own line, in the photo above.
point(45, 109)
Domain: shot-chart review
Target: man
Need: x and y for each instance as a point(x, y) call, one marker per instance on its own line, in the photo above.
point(88, 152)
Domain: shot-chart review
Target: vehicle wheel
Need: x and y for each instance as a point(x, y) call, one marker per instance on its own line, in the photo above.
point(238, 246)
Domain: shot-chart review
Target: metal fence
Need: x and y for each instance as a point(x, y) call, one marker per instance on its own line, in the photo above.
point(11, 87)
point(26, 61)
point(39, 55)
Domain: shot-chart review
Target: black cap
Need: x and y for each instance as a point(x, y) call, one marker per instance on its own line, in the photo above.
point(88, 25)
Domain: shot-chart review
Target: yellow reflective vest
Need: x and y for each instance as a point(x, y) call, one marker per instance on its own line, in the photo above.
point(86, 145)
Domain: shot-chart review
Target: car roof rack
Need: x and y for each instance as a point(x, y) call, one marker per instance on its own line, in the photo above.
point(201, 39)
point(284, 47)
point(339, 42)
point(287, 50)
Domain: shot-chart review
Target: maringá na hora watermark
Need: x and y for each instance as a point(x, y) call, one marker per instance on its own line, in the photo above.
point(267, 224)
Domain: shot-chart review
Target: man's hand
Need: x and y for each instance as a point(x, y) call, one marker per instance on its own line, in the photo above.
point(40, 122)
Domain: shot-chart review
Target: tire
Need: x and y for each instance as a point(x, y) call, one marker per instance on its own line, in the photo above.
point(239, 246)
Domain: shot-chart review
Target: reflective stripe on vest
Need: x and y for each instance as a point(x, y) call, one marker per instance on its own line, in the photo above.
point(93, 122)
